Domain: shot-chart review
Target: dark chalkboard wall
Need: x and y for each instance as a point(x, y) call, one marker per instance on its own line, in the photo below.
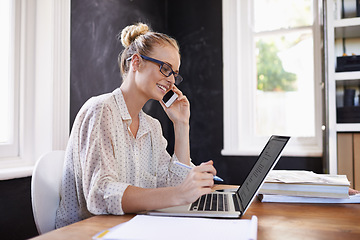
point(16, 217)
point(95, 25)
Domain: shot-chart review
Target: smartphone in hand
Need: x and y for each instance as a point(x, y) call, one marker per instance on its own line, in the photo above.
point(169, 98)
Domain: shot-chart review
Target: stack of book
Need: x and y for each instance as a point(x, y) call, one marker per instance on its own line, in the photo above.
point(306, 187)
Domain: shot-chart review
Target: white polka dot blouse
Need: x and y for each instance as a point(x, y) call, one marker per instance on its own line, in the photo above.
point(103, 158)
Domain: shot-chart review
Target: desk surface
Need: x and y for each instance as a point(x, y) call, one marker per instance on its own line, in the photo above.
point(276, 221)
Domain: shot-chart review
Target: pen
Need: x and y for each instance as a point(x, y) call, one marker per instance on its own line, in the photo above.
point(188, 167)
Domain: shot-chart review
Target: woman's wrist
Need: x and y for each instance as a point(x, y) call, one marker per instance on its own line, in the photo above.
point(182, 126)
point(178, 196)
point(181, 122)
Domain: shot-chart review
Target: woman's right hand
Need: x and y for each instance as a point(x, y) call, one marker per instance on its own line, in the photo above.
point(198, 182)
point(179, 111)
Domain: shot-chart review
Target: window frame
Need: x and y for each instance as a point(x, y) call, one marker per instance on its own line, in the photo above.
point(238, 97)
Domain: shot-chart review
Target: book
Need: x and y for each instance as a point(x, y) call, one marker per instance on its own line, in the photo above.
point(296, 199)
point(305, 184)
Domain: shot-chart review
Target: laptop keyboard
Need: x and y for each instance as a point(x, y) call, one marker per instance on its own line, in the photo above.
point(211, 202)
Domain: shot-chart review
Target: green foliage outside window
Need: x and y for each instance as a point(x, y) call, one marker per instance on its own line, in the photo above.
point(270, 72)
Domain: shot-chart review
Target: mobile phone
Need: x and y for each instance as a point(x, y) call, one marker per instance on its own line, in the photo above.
point(169, 98)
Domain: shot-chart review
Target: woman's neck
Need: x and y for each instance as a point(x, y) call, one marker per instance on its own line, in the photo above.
point(133, 100)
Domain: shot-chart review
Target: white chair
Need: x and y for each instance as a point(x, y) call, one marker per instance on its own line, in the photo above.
point(45, 189)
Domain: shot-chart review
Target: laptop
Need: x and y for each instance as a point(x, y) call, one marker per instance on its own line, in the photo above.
point(232, 204)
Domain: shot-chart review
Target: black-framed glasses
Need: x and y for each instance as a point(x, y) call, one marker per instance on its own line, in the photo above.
point(165, 69)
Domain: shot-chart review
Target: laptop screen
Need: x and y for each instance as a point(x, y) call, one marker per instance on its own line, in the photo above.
point(265, 162)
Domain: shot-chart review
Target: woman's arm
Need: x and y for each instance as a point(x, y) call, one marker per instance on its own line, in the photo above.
point(198, 182)
point(182, 143)
point(179, 114)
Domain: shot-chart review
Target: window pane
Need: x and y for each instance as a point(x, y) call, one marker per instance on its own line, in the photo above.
point(285, 102)
point(6, 86)
point(282, 14)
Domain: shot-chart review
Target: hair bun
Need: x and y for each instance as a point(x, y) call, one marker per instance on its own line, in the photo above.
point(130, 33)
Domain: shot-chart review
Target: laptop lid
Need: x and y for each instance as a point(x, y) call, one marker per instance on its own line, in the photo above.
point(266, 161)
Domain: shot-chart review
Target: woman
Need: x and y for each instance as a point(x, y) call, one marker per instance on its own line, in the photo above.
point(116, 160)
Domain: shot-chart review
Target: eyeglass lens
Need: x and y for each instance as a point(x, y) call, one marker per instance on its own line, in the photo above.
point(167, 71)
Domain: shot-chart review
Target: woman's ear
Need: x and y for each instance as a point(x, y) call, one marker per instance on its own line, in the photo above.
point(135, 62)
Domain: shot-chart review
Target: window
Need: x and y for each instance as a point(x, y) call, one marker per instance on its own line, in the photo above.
point(9, 91)
point(34, 85)
point(272, 75)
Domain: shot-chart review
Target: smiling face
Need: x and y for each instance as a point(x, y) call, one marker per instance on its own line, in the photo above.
point(149, 80)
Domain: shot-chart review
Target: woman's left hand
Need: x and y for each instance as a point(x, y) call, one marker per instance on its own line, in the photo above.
point(179, 111)
point(353, 191)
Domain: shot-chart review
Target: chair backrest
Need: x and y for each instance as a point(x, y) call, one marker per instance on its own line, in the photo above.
point(45, 189)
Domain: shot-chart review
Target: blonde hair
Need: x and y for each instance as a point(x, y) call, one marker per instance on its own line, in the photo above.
point(139, 38)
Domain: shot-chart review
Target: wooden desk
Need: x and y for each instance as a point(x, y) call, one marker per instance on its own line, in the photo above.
point(276, 221)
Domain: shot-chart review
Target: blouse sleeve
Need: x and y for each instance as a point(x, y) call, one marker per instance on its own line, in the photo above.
point(102, 187)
